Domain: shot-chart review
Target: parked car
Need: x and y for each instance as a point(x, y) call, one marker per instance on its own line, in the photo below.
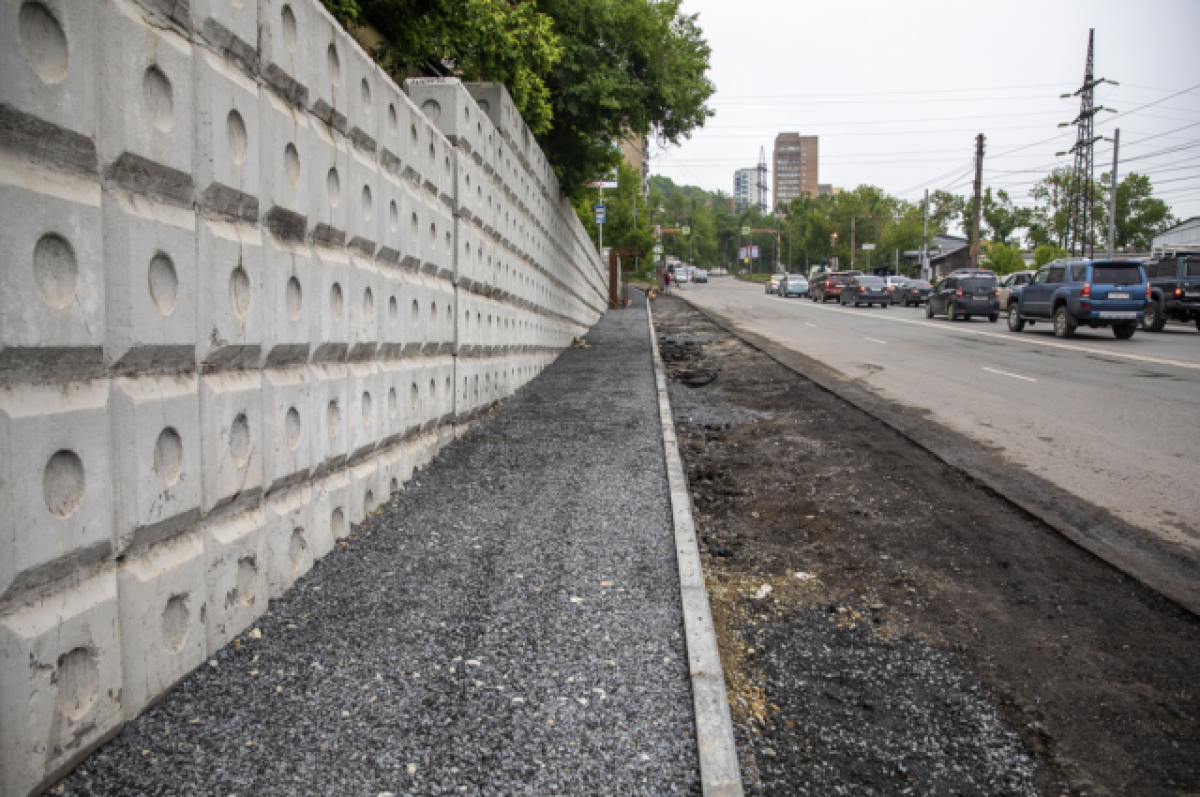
point(960, 297)
point(1100, 293)
point(829, 285)
point(793, 285)
point(865, 290)
point(915, 292)
point(773, 283)
point(1014, 280)
point(1174, 291)
point(894, 282)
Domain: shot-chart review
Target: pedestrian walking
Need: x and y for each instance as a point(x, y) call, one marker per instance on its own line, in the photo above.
point(667, 282)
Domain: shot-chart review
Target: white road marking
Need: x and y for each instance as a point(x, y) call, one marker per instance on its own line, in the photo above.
point(874, 340)
point(1014, 376)
point(1015, 338)
point(814, 326)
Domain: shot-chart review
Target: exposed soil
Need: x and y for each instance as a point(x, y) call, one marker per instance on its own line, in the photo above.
point(937, 639)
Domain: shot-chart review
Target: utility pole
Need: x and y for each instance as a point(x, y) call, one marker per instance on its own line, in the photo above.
point(1081, 210)
point(925, 240)
point(852, 220)
point(978, 201)
point(1112, 200)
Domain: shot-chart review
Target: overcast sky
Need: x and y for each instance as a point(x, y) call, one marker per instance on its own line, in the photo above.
point(897, 91)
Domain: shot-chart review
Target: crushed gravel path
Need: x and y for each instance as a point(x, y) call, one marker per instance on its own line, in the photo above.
point(508, 624)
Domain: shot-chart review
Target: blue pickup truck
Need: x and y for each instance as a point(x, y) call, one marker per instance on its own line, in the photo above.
point(1075, 293)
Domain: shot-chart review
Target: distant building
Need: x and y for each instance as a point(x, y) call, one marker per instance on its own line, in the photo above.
point(745, 187)
point(825, 189)
point(796, 161)
point(636, 151)
point(1184, 235)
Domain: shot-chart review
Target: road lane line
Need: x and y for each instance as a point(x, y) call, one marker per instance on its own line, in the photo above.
point(814, 326)
point(874, 340)
point(1006, 373)
point(1010, 338)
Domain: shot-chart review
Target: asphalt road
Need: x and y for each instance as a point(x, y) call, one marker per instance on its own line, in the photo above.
point(1112, 422)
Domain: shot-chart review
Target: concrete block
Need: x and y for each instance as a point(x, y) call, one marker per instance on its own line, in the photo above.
point(494, 100)
point(228, 136)
point(162, 597)
point(147, 123)
point(369, 211)
point(235, 571)
point(395, 229)
point(368, 307)
point(367, 106)
point(156, 458)
point(394, 326)
point(329, 184)
point(368, 406)
point(331, 511)
point(469, 249)
point(441, 260)
point(55, 482)
point(366, 493)
point(331, 312)
point(330, 386)
point(290, 297)
point(287, 435)
point(230, 27)
point(415, 243)
point(445, 328)
point(285, 47)
point(48, 56)
point(445, 372)
point(396, 131)
point(465, 337)
point(230, 265)
point(393, 386)
point(52, 306)
point(60, 683)
point(394, 468)
point(287, 538)
point(151, 289)
point(329, 49)
point(448, 105)
point(285, 156)
point(231, 439)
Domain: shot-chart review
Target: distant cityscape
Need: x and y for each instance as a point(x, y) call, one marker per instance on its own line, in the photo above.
point(795, 172)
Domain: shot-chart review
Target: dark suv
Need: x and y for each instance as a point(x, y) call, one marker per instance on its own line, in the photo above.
point(1099, 293)
point(965, 295)
point(1174, 291)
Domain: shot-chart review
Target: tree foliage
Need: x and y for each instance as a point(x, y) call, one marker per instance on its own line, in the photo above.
point(1139, 214)
point(1003, 259)
point(1047, 253)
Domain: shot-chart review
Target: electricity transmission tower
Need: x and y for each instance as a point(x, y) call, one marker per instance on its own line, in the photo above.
point(1081, 209)
point(762, 181)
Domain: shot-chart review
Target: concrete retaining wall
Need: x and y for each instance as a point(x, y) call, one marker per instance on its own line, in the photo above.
point(248, 285)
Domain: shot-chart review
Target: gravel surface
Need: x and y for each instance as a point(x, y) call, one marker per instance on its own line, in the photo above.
point(507, 624)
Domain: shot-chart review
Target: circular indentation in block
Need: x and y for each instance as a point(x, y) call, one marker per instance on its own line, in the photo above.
point(416, 396)
point(416, 314)
point(247, 580)
point(337, 523)
point(295, 298)
point(369, 500)
point(333, 187)
point(366, 96)
point(366, 409)
point(433, 236)
point(296, 548)
point(449, 168)
point(77, 679)
point(288, 20)
point(239, 441)
point(239, 292)
point(483, 105)
point(433, 313)
point(394, 485)
point(235, 131)
point(393, 403)
point(335, 65)
point(393, 121)
point(468, 181)
point(366, 203)
point(432, 110)
point(164, 284)
point(333, 419)
point(291, 428)
point(416, 139)
point(168, 456)
point(159, 99)
point(43, 42)
point(449, 317)
point(449, 243)
point(175, 623)
point(291, 165)
point(393, 216)
point(335, 302)
point(63, 483)
point(55, 270)
point(432, 154)
point(368, 305)
point(416, 228)
point(432, 392)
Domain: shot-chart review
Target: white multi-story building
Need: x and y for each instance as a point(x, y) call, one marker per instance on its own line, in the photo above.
point(745, 187)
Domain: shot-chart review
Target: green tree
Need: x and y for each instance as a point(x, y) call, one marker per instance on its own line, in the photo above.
point(1003, 259)
point(1047, 253)
point(945, 209)
point(1139, 214)
point(621, 228)
point(1001, 217)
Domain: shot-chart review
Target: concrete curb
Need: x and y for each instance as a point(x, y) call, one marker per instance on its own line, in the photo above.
point(1168, 570)
point(720, 774)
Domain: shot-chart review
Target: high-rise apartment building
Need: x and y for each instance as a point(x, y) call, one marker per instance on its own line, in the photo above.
point(795, 167)
point(745, 187)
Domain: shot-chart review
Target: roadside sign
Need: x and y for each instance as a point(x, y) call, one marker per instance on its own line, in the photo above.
point(687, 230)
point(600, 214)
point(754, 251)
point(658, 230)
point(745, 231)
point(604, 184)
point(868, 247)
point(741, 252)
point(658, 249)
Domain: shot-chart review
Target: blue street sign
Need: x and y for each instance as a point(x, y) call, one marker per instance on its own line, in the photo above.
point(600, 214)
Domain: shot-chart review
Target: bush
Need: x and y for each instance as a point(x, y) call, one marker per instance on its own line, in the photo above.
point(1003, 259)
point(1046, 253)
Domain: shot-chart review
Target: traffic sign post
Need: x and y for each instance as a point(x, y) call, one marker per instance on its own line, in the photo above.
point(600, 209)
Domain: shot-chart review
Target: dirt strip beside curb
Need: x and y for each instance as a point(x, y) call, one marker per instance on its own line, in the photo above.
point(720, 775)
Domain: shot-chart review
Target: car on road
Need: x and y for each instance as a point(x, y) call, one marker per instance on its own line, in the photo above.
point(829, 285)
point(793, 285)
point(1174, 291)
point(1013, 280)
point(894, 282)
point(964, 294)
point(914, 292)
point(1071, 294)
point(701, 276)
point(866, 290)
point(773, 283)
